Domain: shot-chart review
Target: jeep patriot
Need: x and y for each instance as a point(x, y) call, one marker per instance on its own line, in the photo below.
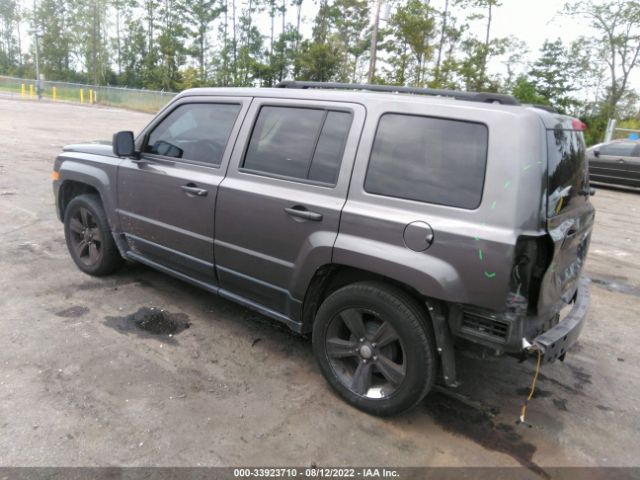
point(393, 224)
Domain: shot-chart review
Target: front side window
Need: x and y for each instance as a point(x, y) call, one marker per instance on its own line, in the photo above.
point(430, 160)
point(618, 149)
point(299, 143)
point(197, 132)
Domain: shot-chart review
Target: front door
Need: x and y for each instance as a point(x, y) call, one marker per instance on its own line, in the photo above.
point(279, 206)
point(166, 199)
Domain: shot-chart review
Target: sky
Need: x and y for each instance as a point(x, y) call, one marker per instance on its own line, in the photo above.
point(532, 21)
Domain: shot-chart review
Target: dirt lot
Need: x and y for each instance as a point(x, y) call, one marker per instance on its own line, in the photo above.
point(81, 385)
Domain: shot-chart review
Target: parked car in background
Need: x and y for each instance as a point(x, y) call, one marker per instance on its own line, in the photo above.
point(616, 162)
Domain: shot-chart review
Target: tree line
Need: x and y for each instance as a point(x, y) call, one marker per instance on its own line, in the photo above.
point(177, 44)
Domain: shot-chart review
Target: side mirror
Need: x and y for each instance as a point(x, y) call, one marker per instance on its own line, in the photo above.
point(123, 144)
point(596, 153)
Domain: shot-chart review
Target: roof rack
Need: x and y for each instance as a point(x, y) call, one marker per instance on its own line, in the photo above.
point(483, 97)
point(546, 108)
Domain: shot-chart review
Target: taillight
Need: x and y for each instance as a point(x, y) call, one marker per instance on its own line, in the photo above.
point(578, 125)
point(531, 260)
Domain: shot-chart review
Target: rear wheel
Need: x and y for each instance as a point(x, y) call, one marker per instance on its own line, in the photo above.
point(88, 236)
point(375, 347)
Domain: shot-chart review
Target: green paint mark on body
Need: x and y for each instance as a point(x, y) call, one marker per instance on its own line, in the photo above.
point(489, 274)
point(493, 205)
point(476, 238)
point(480, 254)
point(507, 183)
point(526, 167)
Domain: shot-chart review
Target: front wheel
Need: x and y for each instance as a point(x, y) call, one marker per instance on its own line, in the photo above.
point(375, 348)
point(89, 238)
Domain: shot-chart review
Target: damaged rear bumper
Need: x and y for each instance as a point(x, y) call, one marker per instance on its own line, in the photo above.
point(555, 342)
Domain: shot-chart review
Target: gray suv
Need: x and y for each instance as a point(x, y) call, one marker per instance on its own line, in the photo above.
point(393, 224)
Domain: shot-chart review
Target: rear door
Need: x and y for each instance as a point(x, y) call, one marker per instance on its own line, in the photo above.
point(166, 199)
point(570, 217)
point(279, 206)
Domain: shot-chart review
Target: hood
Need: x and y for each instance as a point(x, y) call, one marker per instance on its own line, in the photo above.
point(96, 147)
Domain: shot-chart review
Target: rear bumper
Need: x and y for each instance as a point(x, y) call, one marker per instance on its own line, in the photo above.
point(555, 342)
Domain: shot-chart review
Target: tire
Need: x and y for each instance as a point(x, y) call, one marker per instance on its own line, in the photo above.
point(89, 238)
point(375, 347)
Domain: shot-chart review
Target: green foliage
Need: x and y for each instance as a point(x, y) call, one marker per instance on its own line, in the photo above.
point(318, 61)
point(10, 52)
point(450, 44)
point(552, 76)
point(55, 40)
point(526, 92)
point(350, 18)
point(413, 25)
point(617, 23)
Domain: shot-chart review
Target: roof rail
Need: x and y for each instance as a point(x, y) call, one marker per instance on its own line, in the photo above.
point(546, 108)
point(483, 97)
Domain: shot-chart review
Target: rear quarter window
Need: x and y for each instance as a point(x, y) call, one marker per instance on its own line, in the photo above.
point(427, 159)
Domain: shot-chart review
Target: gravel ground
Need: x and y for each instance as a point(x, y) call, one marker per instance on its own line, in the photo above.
point(82, 384)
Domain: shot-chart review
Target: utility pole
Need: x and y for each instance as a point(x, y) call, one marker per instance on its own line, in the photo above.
point(94, 41)
point(35, 34)
point(374, 43)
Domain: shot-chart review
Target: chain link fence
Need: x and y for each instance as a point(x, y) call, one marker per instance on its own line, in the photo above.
point(143, 100)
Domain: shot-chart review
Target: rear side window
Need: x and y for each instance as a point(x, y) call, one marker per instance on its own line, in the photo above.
point(197, 131)
point(299, 143)
point(431, 160)
point(619, 149)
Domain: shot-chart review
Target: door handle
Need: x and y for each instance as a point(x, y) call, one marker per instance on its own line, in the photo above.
point(192, 190)
point(301, 212)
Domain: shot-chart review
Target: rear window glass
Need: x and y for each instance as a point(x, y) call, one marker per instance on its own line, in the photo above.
point(568, 175)
point(427, 159)
point(299, 143)
point(326, 159)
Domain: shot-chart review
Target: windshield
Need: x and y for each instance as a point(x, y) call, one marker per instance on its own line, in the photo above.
point(568, 176)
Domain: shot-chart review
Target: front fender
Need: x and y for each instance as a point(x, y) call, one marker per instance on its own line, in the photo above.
point(99, 173)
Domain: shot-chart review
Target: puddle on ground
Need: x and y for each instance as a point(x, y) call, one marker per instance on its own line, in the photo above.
point(582, 377)
point(151, 321)
point(73, 312)
point(460, 418)
point(561, 404)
